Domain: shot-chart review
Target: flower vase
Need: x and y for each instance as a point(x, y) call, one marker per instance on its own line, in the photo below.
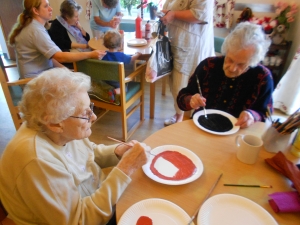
point(153, 10)
point(129, 9)
point(278, 35)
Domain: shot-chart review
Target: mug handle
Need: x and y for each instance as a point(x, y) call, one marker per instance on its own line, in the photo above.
point(237, 138)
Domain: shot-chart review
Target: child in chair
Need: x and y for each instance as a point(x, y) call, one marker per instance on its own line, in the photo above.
point(112, 41)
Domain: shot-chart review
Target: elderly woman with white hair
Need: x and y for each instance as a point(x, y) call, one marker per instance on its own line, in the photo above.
point(235, 83)
point(50, 173)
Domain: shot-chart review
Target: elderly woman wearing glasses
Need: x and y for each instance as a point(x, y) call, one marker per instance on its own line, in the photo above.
point(50, 173)
point(235, 83)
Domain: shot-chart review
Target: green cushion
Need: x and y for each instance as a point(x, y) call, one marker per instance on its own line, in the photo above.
point(218, 42)
point(16, 94)
point(100, 91)
point(133, 88)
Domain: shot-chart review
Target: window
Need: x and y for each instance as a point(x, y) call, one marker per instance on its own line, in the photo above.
point(130, 11)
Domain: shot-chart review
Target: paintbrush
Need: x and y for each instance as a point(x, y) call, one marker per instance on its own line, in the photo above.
point(124, 143)
point(206, 197)
point(249, 185)
point(200, 92)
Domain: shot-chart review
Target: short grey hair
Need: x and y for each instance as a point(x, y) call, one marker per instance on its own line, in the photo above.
point(68, 8)
point(247, 35)
point(51, 97)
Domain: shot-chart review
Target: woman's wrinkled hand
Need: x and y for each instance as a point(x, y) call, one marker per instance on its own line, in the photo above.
point(197, 101)
point(122, 148)
point(133, 158)
point(78, 25)
point(245, 119)
point(168, 17)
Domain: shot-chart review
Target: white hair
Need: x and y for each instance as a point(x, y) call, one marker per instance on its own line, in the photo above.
point(247, 35)
point(51, 97)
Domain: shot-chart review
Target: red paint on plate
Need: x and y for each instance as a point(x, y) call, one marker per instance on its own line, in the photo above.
point(186, 168)
point(144, 220)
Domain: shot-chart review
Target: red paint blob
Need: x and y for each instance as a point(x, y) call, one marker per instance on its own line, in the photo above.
point(186, 168)
point(144, 220)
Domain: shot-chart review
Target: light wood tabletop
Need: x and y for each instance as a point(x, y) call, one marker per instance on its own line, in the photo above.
point(97, 44)
point(218, 155)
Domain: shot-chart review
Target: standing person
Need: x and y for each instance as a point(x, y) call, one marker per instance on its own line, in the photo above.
point(35, 50)
point(112, 41)
point(66, 30)
point(235, 83)
point(50, 172)
point(191, 41)
point(106, 15)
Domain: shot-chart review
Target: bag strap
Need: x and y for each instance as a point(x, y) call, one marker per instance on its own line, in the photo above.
point(161, 28)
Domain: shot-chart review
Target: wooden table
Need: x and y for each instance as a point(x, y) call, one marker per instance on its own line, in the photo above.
point(130, 50)
point(218, 155)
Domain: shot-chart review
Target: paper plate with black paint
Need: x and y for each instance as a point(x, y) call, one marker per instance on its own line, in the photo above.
point(218, 122)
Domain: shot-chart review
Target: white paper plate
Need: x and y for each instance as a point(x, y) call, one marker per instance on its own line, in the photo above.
point(162, 212)
point(234, 210)
point(210, 111)
point(192, 156)
point(137, 42)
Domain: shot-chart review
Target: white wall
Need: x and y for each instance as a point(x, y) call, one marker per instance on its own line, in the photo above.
point(2, 42)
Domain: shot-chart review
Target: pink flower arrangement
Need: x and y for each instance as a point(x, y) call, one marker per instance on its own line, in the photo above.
point(285, 12)
point(267, 23)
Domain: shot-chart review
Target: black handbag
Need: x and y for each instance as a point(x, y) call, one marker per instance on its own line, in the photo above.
point(160, 62)
point(163, 52)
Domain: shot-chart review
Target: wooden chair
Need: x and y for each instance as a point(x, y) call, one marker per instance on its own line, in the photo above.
point(130, 101)
point(9, 67)
point(13, 91)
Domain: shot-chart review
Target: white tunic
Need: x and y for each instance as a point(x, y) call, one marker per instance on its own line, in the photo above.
point(191, 43)
point(34, 49)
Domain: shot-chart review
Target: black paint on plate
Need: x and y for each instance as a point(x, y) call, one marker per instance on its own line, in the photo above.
point(215, 122)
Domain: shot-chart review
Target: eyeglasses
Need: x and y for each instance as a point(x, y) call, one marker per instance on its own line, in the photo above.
point(89, 114)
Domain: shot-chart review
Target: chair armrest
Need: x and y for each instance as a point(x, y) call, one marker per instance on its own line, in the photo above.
point(135, 73)
point(19, 82)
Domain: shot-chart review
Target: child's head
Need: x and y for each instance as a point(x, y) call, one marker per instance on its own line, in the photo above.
point(112, 39)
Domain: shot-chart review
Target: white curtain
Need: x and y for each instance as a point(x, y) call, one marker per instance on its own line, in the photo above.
point(223, 13)
point(88, 9)
point(286, 96)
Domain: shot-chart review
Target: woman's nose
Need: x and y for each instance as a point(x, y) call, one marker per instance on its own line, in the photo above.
point(233, 67)
point(93, 117)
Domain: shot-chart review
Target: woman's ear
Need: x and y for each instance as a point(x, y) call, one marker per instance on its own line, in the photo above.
point(35, 11)
point(56, 128)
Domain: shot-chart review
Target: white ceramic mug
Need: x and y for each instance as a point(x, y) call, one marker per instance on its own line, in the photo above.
point(248, 148)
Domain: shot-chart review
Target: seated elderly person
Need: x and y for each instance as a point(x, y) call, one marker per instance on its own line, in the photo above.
point(235, 83)
point(35, 51)
point(66, 31)
point(50, 173)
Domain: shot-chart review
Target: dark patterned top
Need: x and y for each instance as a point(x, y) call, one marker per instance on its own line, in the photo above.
point(251, 91)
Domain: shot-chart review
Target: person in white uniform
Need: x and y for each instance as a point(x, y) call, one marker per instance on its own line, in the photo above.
point(50, 172)
point(106, 15)
point(35, 50)
point(190, 29)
